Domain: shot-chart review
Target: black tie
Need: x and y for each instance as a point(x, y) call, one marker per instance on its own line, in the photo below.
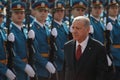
point(22, 30)
point(44, 27)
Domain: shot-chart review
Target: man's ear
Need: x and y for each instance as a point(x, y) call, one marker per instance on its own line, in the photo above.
point(88, 28)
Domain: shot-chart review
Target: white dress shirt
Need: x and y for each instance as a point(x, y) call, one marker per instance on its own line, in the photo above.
point(83, 44)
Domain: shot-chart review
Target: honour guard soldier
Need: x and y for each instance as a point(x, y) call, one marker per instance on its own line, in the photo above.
point(19, 37)
point(79, 8)
point(4, 71)
point(98, 26)
point(44, 68)
point(115, 49)
point(61, 37)
point(99, 31)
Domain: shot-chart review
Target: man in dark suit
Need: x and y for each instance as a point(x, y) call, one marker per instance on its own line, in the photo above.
point(91, 63)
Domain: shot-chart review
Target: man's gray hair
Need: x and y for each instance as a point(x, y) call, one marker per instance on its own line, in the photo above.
point(83, 19)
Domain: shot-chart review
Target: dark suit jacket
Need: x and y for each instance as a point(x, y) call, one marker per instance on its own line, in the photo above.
point(92, 64)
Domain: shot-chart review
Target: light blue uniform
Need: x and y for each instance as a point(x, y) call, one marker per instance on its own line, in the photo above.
point(60, 40)
point(115, 35)
point(99, 29)
point(20, 49)
point(3, 55)
point(42, 47)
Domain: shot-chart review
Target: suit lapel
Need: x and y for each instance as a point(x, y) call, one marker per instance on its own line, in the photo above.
point(88, 48)
point(72, 52)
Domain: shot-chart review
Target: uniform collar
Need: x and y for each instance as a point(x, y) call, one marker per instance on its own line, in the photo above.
point(60, 23)
point(113, 18)
point(18, 26)
point(39, 23)
point(97, 19)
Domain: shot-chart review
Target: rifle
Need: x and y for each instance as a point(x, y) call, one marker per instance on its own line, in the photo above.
point(70, 9)
point(108, 41)
point(9, 45)
point(53, 46)
point(111, 69)
point(31, 49)
point(89, 8)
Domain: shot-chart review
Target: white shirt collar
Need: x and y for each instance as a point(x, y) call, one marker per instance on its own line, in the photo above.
point(83, 44)
point(113, 18)
point(95, 18)
point(18, 26)
point(60, 23)
point(41, 25)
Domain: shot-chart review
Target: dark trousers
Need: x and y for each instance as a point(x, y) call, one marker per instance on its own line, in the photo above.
point(52, 77)
point(117, 73)
point(57, 76)
point(110, 75)
point(61, 75)
point(43, 78)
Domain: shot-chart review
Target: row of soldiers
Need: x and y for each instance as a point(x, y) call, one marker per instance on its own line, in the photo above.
point(41, 19)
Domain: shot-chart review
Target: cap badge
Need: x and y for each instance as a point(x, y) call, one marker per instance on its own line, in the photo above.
point(42, 4)
point(114, 1)
point(59, 5)
point(97, 2)
point(81, 3)
point(18, 6)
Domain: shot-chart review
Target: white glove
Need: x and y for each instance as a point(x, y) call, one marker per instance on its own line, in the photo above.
point(109, 26)
point(10, 75)
point(31, 34)
point(11, 37)
point(109, 61)
point(54, 32)
point(91, 29)
point(50, 67)
point(29, 70)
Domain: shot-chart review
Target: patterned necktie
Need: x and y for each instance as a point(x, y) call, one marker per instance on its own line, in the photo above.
point(78, 52)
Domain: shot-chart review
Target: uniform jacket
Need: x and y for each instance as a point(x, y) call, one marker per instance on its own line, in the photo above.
point(60, 40)
point(115, 33)
point(41, 45)
point(98, 30)
point(3, 54)
point(20, 49)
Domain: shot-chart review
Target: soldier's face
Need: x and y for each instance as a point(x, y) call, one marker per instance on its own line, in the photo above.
point(41, 15)
point(59, 15)
point(18, 16)
point(78, 12)
point(113, 10)
point(96, 11)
